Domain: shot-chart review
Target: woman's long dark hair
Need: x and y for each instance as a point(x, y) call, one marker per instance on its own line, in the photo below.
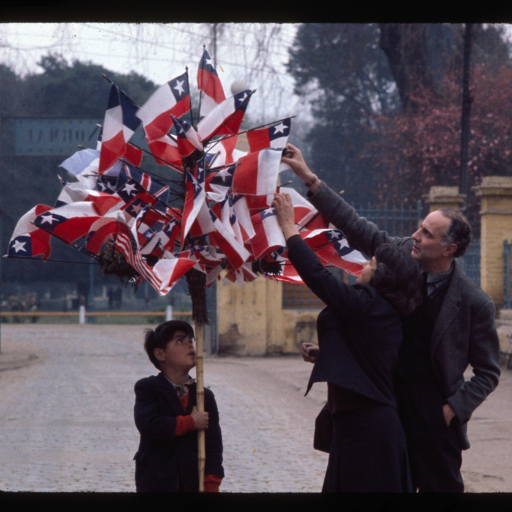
point(397, 278)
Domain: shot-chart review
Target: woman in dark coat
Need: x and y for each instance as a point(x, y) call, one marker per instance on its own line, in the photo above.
point(359, 334)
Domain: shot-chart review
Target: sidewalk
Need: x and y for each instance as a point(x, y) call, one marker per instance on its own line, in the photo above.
point(66, 416)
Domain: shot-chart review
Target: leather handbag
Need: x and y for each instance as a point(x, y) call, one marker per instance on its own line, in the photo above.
point(323, 431)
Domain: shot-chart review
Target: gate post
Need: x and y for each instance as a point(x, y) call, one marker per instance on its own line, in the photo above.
point(444, 197)
point(496, 225)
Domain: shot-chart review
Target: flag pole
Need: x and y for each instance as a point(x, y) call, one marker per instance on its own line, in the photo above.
point(201, 455)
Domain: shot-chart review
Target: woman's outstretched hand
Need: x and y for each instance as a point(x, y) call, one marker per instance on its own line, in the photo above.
point(285, 214)
point(298, 165)
point(309, 352)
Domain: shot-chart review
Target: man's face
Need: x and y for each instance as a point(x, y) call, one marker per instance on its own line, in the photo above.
point(428, 239)
point(179, 352)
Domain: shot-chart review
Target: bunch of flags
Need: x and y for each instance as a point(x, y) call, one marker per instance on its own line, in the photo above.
point(228, 194)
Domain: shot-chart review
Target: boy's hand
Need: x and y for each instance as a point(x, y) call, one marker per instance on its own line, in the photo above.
point(200, 419)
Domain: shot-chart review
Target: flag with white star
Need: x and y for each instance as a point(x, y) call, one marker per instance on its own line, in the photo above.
point(171, 98)
point(275, 136)
point(226, 117)
point(187, 138)
point(209, 82)
point(268, 234)
point(195, 197)
point(29, 240)
point(69, 222)
point(332, 248)
point(257, 173)
point(119, 125)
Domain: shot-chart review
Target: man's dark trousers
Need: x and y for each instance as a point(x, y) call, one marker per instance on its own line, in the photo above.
point(434, 450)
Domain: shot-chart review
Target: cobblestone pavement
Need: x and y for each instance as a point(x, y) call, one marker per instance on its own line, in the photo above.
point(66, 413)
point(66, 416)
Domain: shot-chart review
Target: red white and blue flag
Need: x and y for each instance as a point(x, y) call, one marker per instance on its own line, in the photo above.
point(257, 173)
point(275, 136)
point(133, 183)
point(268, 233)
point(172, 98)
point(187, 137)
point(163, 275)
point(332, 248)
point(75, 192)
point(163, 241)
point(218, 184)
point(225, 118)
point(119, 125)
point(69, 222)
point(29, 240)
point(225, 239)
point(195, 197)
point(209, 82)
point(165, 152)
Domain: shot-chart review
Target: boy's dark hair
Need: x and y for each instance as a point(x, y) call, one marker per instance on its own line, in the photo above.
point(397, 278)
point(163, 333)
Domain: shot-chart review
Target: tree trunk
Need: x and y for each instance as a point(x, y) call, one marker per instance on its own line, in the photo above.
point(405, 45)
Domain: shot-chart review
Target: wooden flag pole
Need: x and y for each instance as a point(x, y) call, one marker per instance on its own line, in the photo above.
point(200, 402)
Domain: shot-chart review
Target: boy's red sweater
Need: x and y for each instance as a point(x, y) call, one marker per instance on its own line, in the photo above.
point(186, 424)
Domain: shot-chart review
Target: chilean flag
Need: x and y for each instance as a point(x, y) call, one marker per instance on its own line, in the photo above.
point(27, 239)
point(119, 125)
point(332, 247)
point(172, 98)
point(269, 235)
point(165, 152)
point(225, 118)
point(163, 240)
point(75, 192)
point(218, 184)
point(208, 81)
point(188, 139)
point(69, 222)
point(304, 211)
point(257, 173)
point(225, 240)
point(195, 196)
point(275, 136)
point(103, 229)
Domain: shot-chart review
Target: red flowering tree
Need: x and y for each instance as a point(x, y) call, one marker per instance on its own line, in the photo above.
point(422, 148)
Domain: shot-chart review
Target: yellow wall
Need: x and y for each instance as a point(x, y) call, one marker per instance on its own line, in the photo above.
point(251, 321)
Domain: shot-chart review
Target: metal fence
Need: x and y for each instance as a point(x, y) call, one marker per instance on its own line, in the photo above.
point(401, 221)
point(507, 274)
point(471, 261)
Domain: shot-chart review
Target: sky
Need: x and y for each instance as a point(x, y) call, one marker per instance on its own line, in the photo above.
point(255, 53)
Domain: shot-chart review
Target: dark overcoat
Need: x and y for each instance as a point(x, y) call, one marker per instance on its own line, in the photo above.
point(164, 459)
point(359, 334)
point(465, 329)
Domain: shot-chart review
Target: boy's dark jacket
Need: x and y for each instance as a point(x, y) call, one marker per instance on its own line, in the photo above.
point(162, 454)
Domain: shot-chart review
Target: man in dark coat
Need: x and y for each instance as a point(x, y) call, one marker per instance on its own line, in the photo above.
point(453, 327)
point(167, 418)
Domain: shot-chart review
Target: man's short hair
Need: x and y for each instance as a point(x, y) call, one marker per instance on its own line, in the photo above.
point(163, 333)
point(459, 231)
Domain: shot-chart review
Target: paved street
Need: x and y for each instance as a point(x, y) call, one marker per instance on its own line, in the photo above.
point(66, 416)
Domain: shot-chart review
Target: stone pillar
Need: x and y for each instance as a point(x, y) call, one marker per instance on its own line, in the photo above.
point(496, 225)
point(249, 318)
point(444, 197)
